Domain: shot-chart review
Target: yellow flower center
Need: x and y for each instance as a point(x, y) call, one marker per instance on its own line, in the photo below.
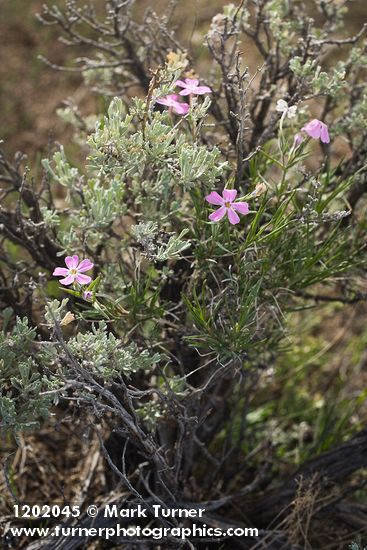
point(73, 272)
point(227, 204)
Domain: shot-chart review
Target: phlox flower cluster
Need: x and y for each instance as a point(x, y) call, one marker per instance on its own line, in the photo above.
point(315, 129)
point(190, 87)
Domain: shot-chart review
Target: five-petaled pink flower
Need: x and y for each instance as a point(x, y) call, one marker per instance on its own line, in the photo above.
point(317, 130)
point(227, 206)
point(74, 271)
point(191, 87)
point(172, 102)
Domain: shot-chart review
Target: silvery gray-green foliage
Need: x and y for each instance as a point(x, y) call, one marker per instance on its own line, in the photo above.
point(22, 380)
point(147, 165)
point(50, 217)
point(174, 248)
point(356, 546)
point(319, 82)
point(63, 173)
point(104, 355)
point(147, 235)
point(55, 311)
point(155, 151)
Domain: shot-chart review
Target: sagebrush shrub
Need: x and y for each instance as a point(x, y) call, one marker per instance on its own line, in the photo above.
point(207, 209)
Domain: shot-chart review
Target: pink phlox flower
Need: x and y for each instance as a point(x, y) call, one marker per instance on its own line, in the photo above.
point(172, 101)
point(191, 87)
point(298, 138)
point(227, 206)
point(74, 271)
point(87, 295)
point(317, 130)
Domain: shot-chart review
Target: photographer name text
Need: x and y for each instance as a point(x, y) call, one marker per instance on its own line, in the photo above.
point(158, 511)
